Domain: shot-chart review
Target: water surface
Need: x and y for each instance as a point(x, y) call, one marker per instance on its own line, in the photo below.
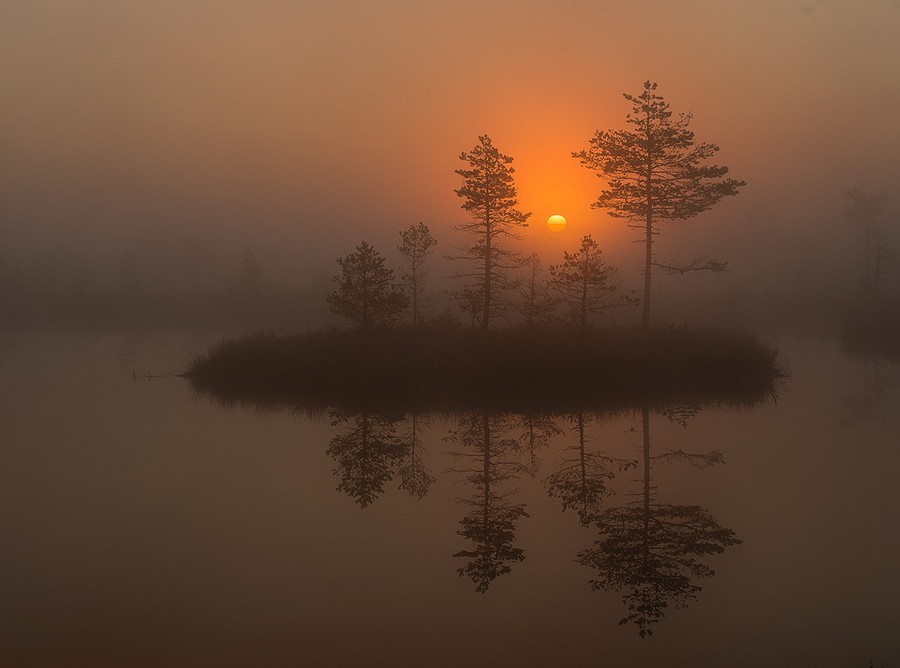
point(145, 526)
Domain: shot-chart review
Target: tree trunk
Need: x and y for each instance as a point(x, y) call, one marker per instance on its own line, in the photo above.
point(486, 315)
point(645, 419)
point(486, 462)
point(648, 265)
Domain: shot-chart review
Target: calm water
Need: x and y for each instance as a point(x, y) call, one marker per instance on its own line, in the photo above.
point(144, 526)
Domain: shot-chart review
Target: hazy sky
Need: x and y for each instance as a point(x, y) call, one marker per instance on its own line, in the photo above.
point(308, 126)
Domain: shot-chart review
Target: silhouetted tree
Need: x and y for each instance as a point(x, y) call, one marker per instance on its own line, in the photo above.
point(652, 550)
point(489, 195)
point(864, 210)
point(867, 403)
point(366, 294)
point(655, 172)
point(538, 305)
point(580, 481)
point(584, 280)
point(249, 273)
point(415, 248)
point(490, 523)
point(535, 432)
point(366, 455)
point(415, 477)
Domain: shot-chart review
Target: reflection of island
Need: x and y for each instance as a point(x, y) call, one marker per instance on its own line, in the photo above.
point(651, 550)
point(365, 455)
point(580, 481)
point(490, 522)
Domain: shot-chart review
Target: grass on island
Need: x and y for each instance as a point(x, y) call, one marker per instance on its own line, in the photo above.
point(447, 370)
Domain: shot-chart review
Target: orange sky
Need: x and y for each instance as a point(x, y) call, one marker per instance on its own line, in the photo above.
point(313, 125)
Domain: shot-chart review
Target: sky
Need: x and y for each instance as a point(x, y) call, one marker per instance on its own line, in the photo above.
point(302, 128)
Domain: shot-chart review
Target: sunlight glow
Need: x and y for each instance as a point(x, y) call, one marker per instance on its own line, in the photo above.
point(556, 223)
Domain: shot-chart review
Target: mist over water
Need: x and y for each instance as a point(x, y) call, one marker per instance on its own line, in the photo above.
point(146, 526)
point(280, 385)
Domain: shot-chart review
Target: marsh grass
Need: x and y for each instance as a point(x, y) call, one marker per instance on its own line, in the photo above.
point(448, 370)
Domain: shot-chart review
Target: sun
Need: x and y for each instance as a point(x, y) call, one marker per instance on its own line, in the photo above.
point(556, 223)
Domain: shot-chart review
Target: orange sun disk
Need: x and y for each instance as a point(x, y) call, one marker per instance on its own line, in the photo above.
point(556, 223)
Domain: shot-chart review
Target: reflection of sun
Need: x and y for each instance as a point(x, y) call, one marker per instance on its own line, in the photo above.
point(556, 223)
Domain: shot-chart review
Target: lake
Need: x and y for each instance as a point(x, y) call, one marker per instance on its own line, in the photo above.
point(144, 526)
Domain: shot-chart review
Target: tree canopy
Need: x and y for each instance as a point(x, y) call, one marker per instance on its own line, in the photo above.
point(366, 293)
point(584, 280)
point(415, 247)
point(490, 198)
point(655, 171)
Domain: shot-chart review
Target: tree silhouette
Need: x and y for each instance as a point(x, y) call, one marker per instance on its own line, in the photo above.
point(655, 172)
point(415, 248)
point(249, 274)
point(365, 455)
point(580, 481)
point(652, 550)
point(535, 431)
point(366, 294)
point(490, 523)
point(489, 195)
point(584, 280)
point(537, 305)
point(864, 211)
point(415, 477)
point(867, 403)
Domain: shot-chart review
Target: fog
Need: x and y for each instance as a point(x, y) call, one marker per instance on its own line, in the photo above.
point(138, 129)
point(240, 421)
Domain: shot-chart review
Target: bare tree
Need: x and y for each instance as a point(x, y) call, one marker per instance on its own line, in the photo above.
point(655, 172)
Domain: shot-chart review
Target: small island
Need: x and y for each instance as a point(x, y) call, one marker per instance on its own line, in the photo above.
point(434, 369)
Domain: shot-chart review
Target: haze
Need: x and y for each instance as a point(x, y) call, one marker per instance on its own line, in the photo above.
point(299, 129)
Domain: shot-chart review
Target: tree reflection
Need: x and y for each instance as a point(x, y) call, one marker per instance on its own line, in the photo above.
point(415, 477)
point(490, 523)
point(652, 550)
point(535, 431)
point(366, 454)
point(867, 403)
point(580, 481)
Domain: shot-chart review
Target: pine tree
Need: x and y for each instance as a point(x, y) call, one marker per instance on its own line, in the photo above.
point(366, 294)
point(655, 172)
point(415, 249)
point(584, 280)
point(491, 199)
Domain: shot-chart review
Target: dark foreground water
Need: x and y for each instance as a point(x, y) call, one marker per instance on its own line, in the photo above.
point(142, 526)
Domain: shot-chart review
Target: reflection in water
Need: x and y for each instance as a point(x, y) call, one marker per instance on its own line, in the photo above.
point(536, 430)
point(651, 550)
point(366, 454)
point(490, 522)
point(648, 550)
point(415, 477)
point(867, 403)
point(580, 481)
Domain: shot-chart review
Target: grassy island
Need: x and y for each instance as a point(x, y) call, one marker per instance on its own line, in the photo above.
point(447, 370)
